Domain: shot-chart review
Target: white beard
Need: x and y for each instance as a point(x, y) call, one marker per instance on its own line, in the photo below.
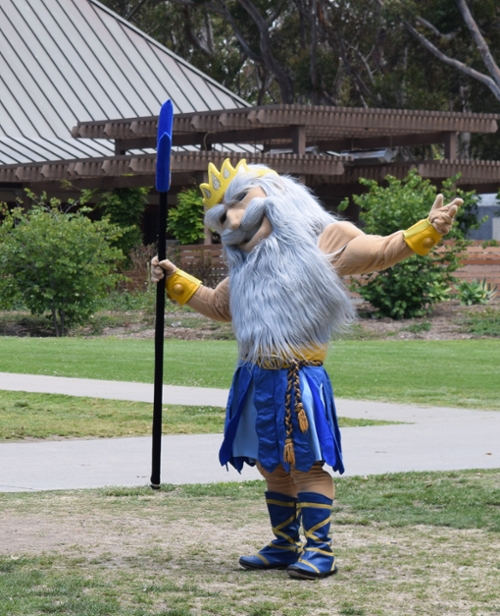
point(285, 298)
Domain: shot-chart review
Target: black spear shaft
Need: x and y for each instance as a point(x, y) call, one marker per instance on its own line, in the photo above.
point(159, 348)
point(164, 145)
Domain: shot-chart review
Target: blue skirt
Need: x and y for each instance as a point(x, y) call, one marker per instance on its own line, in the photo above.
point(255, 420)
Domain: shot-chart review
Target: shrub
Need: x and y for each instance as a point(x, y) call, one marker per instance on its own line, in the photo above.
point(409, 288)
point(185, 221)
point(475, 292)
point(485, 323)
point(56, 262)
point(124, 207)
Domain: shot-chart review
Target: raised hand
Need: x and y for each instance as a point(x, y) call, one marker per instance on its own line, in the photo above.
point(441, 216)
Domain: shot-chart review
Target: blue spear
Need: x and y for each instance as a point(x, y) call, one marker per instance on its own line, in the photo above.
point(164, 146)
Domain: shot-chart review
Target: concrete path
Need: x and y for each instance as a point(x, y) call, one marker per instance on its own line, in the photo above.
point(430, 439)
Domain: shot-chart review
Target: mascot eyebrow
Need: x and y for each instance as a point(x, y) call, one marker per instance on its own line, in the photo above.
point(219, 181)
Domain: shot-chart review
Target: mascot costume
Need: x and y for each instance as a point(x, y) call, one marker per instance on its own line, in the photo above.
point(285, 298)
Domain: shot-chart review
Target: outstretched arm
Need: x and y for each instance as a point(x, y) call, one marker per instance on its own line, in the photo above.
point(186, 289)
point(353, 252)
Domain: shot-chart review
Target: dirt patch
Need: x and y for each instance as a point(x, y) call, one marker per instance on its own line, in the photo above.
point(445, 323)
point(188, 551)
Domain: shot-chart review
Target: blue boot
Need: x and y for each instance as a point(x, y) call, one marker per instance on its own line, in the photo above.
point(286, 548)
point(317, 560)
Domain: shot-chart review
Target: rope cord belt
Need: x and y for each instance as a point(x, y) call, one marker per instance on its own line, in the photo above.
point(293, 385)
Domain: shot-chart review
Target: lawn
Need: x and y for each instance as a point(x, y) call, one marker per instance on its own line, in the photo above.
point(406, 545)
point(457, 373)
point(44, 416)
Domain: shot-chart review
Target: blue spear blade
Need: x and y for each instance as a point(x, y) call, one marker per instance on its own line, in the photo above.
point(164, 146)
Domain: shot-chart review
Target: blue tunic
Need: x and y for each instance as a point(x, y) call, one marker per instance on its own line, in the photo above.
point(255, 420)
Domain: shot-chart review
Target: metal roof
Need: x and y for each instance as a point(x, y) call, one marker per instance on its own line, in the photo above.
point(69, 61)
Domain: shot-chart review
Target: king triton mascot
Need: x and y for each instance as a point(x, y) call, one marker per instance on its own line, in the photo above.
point(285, 299)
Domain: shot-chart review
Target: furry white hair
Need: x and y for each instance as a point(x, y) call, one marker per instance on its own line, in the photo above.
point(301, 204)
point(285, 297)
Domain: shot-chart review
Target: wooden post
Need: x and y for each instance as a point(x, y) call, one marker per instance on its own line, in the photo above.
point(451, 146)
point(202, 178)
point(298, 134)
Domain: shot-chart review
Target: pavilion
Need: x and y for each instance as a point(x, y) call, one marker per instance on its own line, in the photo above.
point(82, 94)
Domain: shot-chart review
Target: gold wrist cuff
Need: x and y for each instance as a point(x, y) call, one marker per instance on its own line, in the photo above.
point(422, 237)
point(181, 286)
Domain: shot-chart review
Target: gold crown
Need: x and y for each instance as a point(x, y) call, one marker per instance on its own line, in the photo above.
point(218, 181)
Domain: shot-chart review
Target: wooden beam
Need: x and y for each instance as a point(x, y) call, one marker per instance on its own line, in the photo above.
point(342, 120)
point(111, 171)
point(374, 143)
point(451, 146)
point(251, 135)
point(399, 119)
point(298, 134)
point(477, 173)
point(122, 146)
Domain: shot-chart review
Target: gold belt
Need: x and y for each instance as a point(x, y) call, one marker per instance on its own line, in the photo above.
point(308, 357)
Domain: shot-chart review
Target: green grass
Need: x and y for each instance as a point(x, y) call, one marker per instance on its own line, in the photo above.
point(406, 544)
point(457, 499)
point(454, 373)
point(485, 323)
point(196, 363)
point(44, 416)
point(461, 373)
point(31, 415)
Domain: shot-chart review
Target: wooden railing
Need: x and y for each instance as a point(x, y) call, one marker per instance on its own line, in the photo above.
point(206, 263)
point(478, 264)
point(481, 263)
point(201, 260)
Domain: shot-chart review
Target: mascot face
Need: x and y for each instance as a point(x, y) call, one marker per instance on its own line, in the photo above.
point(234, 212)
point(285, 297)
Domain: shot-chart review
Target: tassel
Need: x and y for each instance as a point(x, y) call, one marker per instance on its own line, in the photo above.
point(301, 414)
point(289, 453)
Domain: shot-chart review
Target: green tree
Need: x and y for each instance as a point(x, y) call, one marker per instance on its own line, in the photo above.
point(55, 262)
point(185, 221)
point(407, 289)
point(432, 54)
point(460, 40)
point(123, 207)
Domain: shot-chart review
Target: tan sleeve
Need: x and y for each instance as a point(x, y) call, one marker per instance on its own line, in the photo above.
point(212, 303)
point(353, 252)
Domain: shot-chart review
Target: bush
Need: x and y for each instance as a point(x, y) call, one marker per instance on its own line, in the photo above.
point(124, 207)
point(56, 262)
point(409, 288)
point(475, 292)
point(185, 222)
point(485, 323)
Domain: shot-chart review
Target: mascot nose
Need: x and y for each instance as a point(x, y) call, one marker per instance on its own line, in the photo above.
point(234, 219)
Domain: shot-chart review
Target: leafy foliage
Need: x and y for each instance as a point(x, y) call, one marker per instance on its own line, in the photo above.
point(485, 323)
point(440, 292)
point(56, 262)
point(347, 52)
point(185, 221)
point(124, 207)
point(410, 287)
point(476, 292)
